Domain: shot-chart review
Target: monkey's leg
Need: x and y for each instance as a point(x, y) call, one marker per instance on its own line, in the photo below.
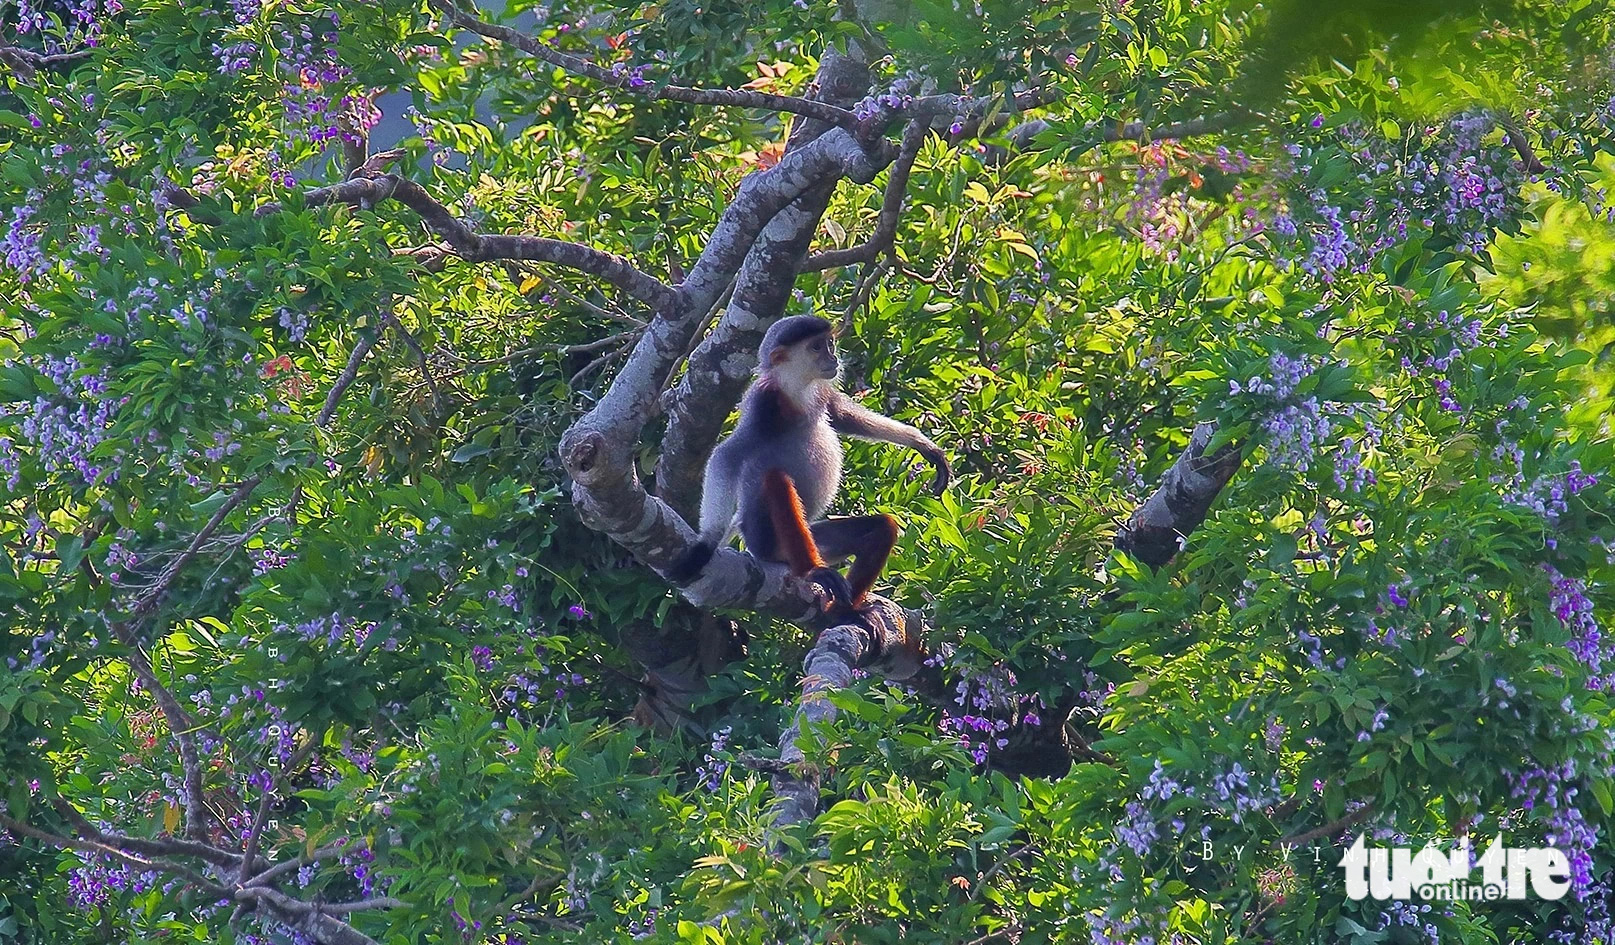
point(868, 539)
point(793, 539)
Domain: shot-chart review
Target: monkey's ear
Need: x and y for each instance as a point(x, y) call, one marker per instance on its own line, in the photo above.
point(778, 356)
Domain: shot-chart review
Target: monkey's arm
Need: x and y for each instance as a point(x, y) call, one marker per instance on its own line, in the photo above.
point(720, 499)
point(850, 418)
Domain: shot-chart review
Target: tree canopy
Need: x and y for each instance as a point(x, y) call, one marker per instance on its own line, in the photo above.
point(359, 363)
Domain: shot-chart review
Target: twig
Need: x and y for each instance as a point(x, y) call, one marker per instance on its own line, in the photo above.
point(345, 379)
point(94, 846)
point(997, 867)
point(742, 98)
point(891, 208)
point(367, 192)
point(588, 346)
point(1329, 829)
point(420, 357)
point(153, 597)
point(284, 867)
point(175, 715)
point(599, 364)
point(26, 63)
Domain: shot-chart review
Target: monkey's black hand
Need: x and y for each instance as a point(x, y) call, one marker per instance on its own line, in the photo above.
point(833, 582)
point(690, 563)
point(944, 473)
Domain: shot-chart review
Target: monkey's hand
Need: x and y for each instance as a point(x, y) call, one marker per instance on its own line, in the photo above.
point(689, 564)
point(939, 462)
point(835, 584)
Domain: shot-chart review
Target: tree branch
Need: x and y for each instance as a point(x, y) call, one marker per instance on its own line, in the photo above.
point(741, 98)
point(306, 917)
point(598, 451)
point(149, 600)
point(179, 723)
point(891, 208)
point(21, 829)
point(350, 371)
point(1158, 527)
point(885, 640)
point(285, 867)
point(366, 192)
point(1329, 829)
point(718, 370)
point(1021, 136)
point(26, 63)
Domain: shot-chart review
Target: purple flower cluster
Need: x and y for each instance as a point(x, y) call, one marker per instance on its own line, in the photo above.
point(39, 649)
point(988, 701)
point(1568, 600)
point(310, 68)
point(1162, 787)
point(1548, 495)
point(1411, 915)
point(1235, 793)
point(1138, 829)
point(23, 252)
point(265, 560)
point(525, 692)
point(1332, 246)
point(631, 76)
point(337, 631)
point(1597, 927)
point(1297, 432)
point(65, 430)
point(81, 25)
point(294, 322)
point(1458, 180)
point(1105, 928)
point(505, 597)
point(92, 885)
point(1549, 794)
point(711, 772)
point(236, 57)
point(1311, 647)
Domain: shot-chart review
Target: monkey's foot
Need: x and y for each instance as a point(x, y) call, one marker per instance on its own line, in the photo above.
point(835, 584)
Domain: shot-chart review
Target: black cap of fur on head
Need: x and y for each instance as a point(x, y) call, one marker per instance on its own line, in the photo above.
point(791, 331)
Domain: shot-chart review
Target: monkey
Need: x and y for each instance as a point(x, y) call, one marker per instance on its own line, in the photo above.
point(774, 476)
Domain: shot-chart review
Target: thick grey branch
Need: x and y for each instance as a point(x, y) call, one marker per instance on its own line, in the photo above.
point(1158, 527)
point(304, 917)
point(720, 367)
point(886, 641)
point(599, 450)
point(717, 371)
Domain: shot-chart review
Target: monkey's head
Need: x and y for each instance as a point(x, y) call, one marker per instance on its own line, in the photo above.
point(799, 351)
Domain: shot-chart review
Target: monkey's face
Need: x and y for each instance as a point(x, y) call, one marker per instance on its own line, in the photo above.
point(820, 352)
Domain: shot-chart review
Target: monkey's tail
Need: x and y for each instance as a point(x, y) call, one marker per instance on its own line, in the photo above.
point(691, 562)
